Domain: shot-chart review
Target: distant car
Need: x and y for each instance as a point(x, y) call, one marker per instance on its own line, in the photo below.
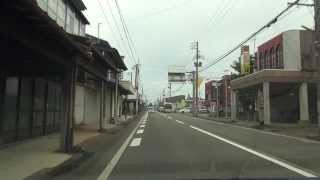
point(203, 110)
point(150, 109)
point(185, 110)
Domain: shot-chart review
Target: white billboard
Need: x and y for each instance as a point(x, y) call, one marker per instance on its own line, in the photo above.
point(177, 74)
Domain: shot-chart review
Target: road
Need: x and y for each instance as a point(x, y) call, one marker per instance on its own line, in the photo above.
point(176, 146)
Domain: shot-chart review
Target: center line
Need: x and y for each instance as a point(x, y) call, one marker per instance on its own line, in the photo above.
point(140, 131)
point(261, 155)
point(135, 142)
point(180, 122)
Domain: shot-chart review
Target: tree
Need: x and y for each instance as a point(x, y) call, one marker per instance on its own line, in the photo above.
point(236, 66)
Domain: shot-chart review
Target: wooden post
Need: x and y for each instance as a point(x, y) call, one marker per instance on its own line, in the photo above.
point(66, 142)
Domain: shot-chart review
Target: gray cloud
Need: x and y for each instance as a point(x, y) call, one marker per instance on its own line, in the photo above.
point(163, 30)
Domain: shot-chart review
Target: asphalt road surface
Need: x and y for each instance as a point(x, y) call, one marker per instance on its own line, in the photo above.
point(176, 146)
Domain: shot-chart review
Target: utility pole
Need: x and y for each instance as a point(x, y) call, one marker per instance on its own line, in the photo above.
point(317, 52)
point(169, 89)
point(137, 87)
point(316, 5)
point(197, 78)
point(193, 93)
point(197, 64)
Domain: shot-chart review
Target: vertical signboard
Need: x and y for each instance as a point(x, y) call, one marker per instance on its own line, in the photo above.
point(245, 60)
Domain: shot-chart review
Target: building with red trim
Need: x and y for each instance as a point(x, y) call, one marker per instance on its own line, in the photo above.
point(284, 86)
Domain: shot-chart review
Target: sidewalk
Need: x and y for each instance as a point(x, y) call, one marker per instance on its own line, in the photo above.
point(35, 157)
point(308, 131)
point(22, 159)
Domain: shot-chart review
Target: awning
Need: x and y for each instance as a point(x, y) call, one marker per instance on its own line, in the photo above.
point(126, 88)
point(275, 76)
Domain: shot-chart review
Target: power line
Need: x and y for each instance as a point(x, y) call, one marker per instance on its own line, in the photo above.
point(126, 32)
point(108, 22)
point(118, 29)
point(273, 21)
point(164, 10)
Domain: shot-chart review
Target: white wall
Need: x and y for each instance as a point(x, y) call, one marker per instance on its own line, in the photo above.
point(291, 50)
point(92, 110)
point(79, 105)
point(108, 111)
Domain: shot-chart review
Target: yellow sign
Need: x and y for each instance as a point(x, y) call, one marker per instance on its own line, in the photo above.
point(200, 81)
point(245, 60)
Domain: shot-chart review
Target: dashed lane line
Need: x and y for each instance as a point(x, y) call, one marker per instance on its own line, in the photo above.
point(140, 131)
point(108, 170)
point(135, 142)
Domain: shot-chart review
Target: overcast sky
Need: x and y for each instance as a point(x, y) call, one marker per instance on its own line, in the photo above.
point(162, 31)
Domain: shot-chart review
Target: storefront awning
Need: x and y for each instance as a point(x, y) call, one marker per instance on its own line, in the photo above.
point(126, 88)
point(275, 76)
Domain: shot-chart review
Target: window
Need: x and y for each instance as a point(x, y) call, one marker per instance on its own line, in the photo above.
point(260, 61)
point(82, 31)
point(61, 20)
point(277, 57)
point(52, 9)
point(76, 26)
point(70, 20)
point(272, 59)
point(43, 4)
point(281, 65)
point(265, 59)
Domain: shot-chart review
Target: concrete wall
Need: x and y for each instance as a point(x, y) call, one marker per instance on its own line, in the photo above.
point(92, 106)
point(291, 50)
point(108, 101)
point(87, 106)
point(79, 105)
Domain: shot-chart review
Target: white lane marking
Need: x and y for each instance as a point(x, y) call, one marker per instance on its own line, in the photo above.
point(261, 131)
point(135, 142)
point(140, 131)
point(180, 122)
point(169, 117)
point(108, 170)
point(276, 161)
point(142, 126)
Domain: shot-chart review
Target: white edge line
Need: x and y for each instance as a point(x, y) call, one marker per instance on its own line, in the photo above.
point(108, 170)
point(278, 162)
point(262, 132)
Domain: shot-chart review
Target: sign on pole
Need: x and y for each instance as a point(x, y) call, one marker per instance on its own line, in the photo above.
point(177, 74)
point(245, 60)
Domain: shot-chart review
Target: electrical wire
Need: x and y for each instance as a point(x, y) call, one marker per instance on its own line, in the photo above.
point(164, 10)
point(118, 29)
point(127, 33)
point(273, 21)
point(108, 22)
